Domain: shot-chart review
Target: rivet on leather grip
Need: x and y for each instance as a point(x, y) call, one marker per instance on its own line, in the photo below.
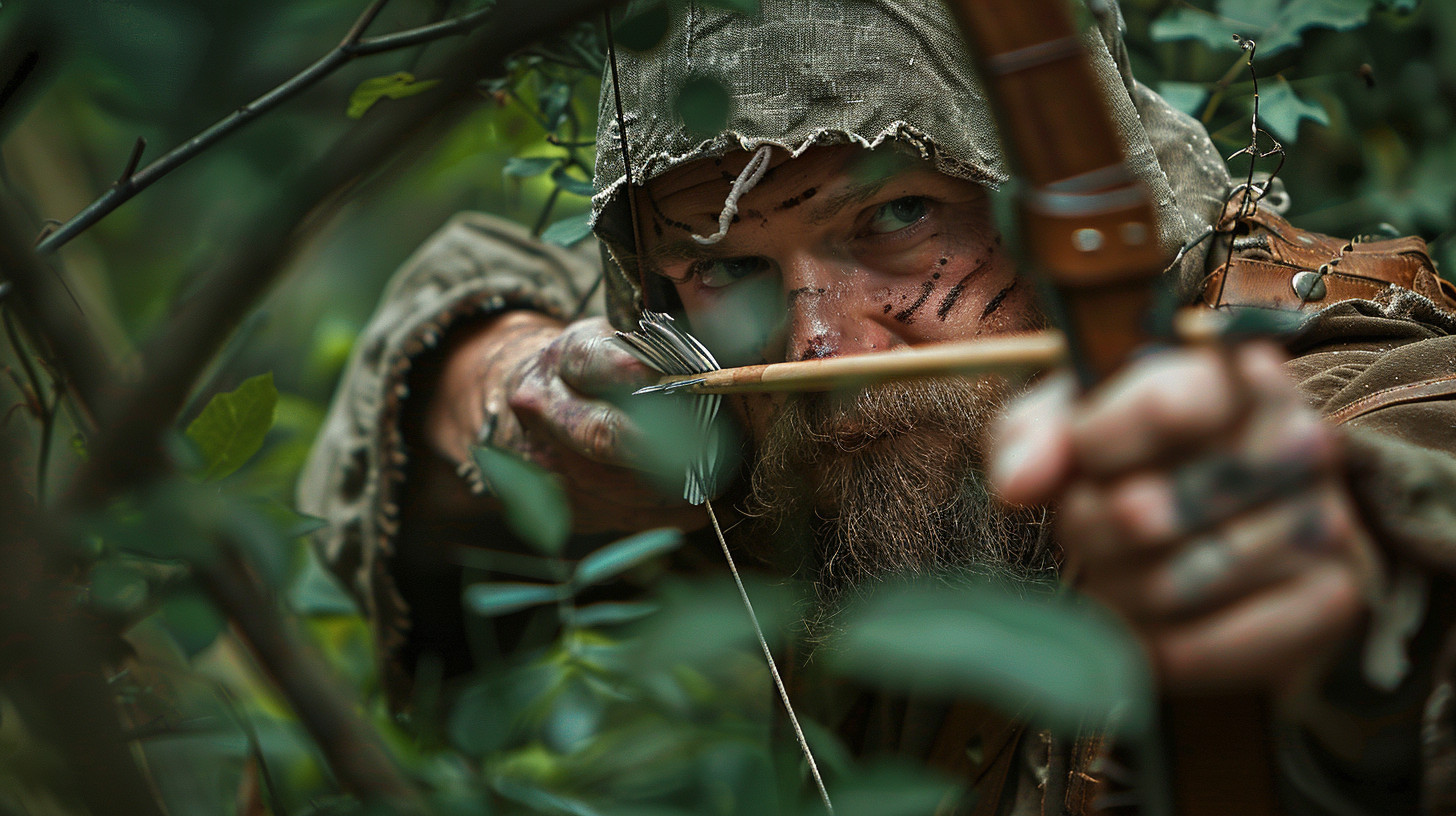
point(1087, 239)
point(1309, 286)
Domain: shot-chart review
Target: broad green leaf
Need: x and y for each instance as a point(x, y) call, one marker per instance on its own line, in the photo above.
point(620, 556)
point(529, 167)
point(643, 29)
point(535, 504)
point(1060, 663)
point(554, 99)
point(890, 790)
point(317, 592)
point(504, 598)
point(232, 426)
point(1274, 27)
point(117, 587)
point(568, 231)
point(704, 105)
point(1281, 110)
point(571, 184)
point(1188, 97)
point(192, 620)
point(394, 86)
point(611, 613)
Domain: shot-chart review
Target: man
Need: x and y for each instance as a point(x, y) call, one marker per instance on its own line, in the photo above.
point(843, 211)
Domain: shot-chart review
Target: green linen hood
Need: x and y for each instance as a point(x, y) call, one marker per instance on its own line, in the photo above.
point(801, 73)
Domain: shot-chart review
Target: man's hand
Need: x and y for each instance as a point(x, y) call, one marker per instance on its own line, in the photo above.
point(1202, 500)
point(544, 384)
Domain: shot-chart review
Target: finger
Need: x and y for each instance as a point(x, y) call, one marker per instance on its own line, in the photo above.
point(1031, 456)
point(1245, 557)
point(1171, 401)
point(593, 429)
point(1264, 640)
point(591, 361)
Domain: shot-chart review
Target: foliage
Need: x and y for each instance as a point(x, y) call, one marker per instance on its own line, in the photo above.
point(630, 699)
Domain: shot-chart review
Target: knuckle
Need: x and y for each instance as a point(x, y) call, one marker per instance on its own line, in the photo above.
point(600, 434)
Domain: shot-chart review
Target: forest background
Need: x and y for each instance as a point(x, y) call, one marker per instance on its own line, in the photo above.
point(114, 523)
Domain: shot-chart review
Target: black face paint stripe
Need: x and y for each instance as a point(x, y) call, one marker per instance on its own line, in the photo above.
point(955, 291)
point(996, 301)
point(907, 315)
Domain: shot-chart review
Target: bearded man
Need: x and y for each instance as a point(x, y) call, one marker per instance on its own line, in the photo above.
point(1252, 517)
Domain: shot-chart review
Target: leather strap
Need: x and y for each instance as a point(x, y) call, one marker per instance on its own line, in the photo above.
point(1276, 265)
point(1434, 388)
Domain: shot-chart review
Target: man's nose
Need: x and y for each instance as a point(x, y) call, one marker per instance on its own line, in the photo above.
point(827, 310)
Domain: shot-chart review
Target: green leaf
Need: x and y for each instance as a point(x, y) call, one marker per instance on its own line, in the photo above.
point(117, 587)
point(1274, 27)
point(553, 101)
point(1060, 663)
point(612, 613)
point(232, 426)
point(1281, 110)
point(620, 556)
point(1188, 97)
point(535, 504)
point(317, 592)
point(192, 621)
point(528, 167)
point(394, 86)
point(704, 105)
point(571, 184)
point(504, 598)
point(643, 29)
point(568, 231)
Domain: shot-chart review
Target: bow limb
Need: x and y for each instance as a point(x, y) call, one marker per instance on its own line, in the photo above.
point(1090, 232)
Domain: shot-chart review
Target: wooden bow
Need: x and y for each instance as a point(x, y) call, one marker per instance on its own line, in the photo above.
point(1090, 231)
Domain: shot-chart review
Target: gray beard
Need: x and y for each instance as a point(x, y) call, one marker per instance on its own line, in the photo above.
point(888, 481)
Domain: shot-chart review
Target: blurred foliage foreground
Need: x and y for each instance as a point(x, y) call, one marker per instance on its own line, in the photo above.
point(168, 642)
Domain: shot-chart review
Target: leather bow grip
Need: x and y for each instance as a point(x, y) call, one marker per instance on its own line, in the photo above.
point(1089, 227)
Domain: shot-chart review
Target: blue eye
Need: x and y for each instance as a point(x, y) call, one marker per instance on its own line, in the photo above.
point(724, 271)
point(897, 215)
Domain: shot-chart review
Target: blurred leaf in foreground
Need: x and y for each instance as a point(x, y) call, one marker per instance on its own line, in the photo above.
point(1056, 660)
point(535, 505)
point(232, 426)
point(568, 232)
point(1274, 25)
point(623, 555)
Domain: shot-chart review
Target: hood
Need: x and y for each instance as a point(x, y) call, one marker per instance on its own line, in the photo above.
point(801, 73)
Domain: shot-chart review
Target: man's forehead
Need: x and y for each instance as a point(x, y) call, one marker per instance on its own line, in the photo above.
point(711, 178)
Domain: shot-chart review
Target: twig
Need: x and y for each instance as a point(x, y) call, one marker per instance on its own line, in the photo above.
point(351, 47)
point(133, 161)
point(129, 451)
point(45, 414)
point(353, 748)
point(53, 666)
point(417, 36)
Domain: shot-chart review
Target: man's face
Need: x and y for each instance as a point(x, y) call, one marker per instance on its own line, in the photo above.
point(838, 252)
point(844, 251)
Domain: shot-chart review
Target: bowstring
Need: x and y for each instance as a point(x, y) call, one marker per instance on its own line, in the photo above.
point(707, 503)
point(772, 665)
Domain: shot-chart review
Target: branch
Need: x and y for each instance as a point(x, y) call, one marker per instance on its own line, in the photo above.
point(129, 449)
point(52, 663)
point(354, 750)
point(130, 184)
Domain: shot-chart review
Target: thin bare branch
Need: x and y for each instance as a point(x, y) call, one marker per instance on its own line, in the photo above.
point(353, 748)
point(463, 24)
point(349, 49)
point(133, 161)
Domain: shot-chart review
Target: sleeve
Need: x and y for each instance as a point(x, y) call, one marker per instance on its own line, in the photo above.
point(1374, 737)
point(476, 266)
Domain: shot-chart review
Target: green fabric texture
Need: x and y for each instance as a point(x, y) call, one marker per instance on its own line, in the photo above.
point(802, 73)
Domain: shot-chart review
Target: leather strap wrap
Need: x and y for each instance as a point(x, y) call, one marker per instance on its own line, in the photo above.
point(1278, 266)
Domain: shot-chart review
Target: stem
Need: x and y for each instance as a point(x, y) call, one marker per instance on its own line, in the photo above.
point(352, 747)
point(46, 414)
point(350, 48)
